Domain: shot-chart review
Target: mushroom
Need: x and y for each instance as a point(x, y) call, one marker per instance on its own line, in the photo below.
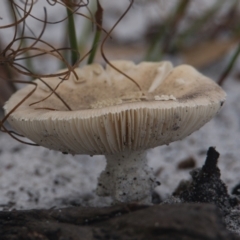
point(111, 116)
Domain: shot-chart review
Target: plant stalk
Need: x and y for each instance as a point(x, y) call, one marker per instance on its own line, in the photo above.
point(98, 18)
point(229, 66)
point(72, 36)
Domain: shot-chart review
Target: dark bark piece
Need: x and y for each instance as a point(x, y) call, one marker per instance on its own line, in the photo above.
point(66, 223)
point(236, 190)
point(187, 163)
point(206, 185)
point(210, 167)
point(178, 221)
point(73, 215)
point(125, 222)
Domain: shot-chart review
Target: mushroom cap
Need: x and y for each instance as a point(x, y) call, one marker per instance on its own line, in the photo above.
point(110, 114)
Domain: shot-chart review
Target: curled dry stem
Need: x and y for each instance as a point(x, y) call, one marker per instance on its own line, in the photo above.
point(74, 9)
point(12, 133)
point(17, 22)
point(54, 90)
point(104, 41)
point(10, 56)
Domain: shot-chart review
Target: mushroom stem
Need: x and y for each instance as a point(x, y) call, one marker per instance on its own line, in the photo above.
point(127, 178)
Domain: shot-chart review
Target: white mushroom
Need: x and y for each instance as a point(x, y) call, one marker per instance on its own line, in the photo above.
point(111, 116)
